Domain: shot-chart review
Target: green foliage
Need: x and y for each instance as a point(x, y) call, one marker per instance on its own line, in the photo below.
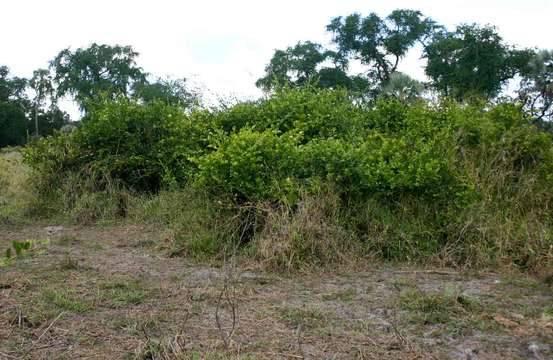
point(172, 92)
point(99, 70)
point(411, 181)
point(536, 90)
point(293, 66)
point(379, 43)
point(402, 87)
point(143, 146)
point(308, 112)
point(472, 61)
point(13, 124)
point(250, 165)
point(304, 64)
point(13, 104)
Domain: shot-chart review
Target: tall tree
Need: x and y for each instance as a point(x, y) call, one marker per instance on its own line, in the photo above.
point(403, 87)
point(472, 61)
point(13, 107)
point(12, 88)
point(294, 66)
point(170, 91)
point(41, 83)
point(379, 43)
point(536, 90)
point(99, 70)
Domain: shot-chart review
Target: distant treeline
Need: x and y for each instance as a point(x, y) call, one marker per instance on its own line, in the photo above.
point(468, 63)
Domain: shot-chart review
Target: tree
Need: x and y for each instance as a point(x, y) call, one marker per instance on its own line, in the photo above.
point(293, 66)
point(536, 90)
point(472, 61)
point(379, 43)
point(47, 120)
point(41, 83)
point(172, 92)
point(403, 87)
point(12, 88)
point(13, 106)
point(13, 124)
point(99, 70)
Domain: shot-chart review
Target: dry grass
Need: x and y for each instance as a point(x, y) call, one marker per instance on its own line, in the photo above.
point(74, 298)
point(15, 193)
point(310, 234)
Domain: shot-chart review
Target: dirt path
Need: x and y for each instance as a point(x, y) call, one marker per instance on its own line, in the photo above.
point(105, 293)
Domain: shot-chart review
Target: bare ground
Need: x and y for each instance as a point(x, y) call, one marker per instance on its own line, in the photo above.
point(106, 293)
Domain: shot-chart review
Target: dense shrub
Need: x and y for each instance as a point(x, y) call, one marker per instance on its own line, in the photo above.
point(310, 112)
point(250, 165)
point(441, 181)
point(143, 146)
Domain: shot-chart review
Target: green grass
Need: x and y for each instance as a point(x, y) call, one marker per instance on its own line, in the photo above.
point(306, 318)
point(16, 195)
point(64, 300)
point(435, 307)
point(68, 263)
point(122, 292)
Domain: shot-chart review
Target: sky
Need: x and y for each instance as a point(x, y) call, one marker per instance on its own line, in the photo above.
point(221, 46)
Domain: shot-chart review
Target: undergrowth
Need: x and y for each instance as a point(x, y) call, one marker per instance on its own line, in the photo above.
point(307, 178)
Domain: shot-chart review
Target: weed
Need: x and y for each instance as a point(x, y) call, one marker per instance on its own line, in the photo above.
point(307, 318)
point(435, 307)
point(122, 292)
point(19, 249)
point(63, 301)
point(16, 195)
point(309, 234)
point(68, 263)
point(67, 240)
point(343, 295)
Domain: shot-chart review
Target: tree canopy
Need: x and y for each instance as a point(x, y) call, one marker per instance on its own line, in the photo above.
point(536, 90)
point(99, 70)
point(13, 105)
point(362, 57)
point(379, 43)
point(472, 61)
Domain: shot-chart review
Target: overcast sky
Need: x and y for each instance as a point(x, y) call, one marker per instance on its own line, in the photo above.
point(225, 45)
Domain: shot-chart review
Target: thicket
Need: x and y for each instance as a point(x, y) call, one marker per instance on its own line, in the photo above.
point(310, 176)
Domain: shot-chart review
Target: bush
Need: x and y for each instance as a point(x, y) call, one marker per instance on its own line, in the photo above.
point(463, 185)
point(249, 165)
point(145, 147)
point(310, 112)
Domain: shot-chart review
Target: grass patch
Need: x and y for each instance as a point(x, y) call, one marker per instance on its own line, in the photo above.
point(16, 195)
point(68, 263)
point(401, 283)
point(64, 300)
point(67, 240)
point(307, 318)
point(122, 292)
point(342, 295)
point(435, 307)
point(522, 282)
point(548, 310)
